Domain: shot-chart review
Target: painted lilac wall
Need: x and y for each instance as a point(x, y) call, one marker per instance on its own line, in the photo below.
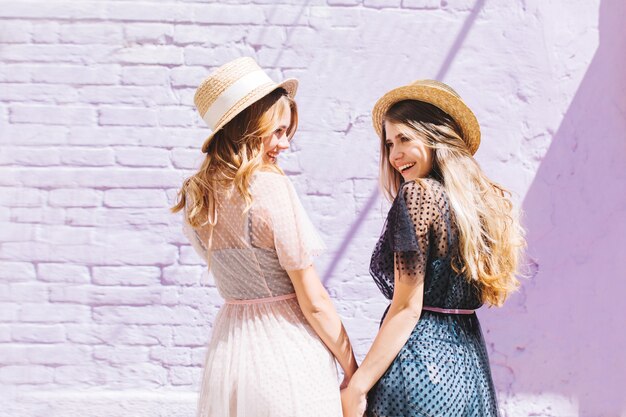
point(100, 308)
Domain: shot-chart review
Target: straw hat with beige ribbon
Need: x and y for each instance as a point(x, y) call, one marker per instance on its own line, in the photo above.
point(439, 95)
point(230, 89)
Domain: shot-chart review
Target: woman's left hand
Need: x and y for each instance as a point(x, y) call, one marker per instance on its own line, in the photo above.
point(353, 402)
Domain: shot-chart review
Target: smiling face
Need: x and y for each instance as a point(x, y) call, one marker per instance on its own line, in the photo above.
point(411, 157)
point(278, 140)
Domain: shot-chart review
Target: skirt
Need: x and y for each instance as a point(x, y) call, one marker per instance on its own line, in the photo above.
point(265, 360)
point(441, 371)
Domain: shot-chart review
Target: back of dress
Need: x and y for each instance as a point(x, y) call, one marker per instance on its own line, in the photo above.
point(422, 237)
point(264, 359)
point(250, 250)
point(443, 368)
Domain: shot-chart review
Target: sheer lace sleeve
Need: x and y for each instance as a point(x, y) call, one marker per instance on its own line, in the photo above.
point(410, 232)
point(194, 240)
point(406, 240)
point(294, 237)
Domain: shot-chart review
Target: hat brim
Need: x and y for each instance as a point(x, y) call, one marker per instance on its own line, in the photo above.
point(440, 98)
point(290, 85)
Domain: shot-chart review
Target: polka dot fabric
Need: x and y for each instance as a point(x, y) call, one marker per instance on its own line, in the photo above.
point(443, 369)
point(263, 359)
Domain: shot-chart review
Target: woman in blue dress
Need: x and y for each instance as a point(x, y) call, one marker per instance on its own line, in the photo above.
point(451, 243)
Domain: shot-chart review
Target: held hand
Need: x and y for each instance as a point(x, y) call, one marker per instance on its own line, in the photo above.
point(347, 375)
point(353, 403)
point(345, 382)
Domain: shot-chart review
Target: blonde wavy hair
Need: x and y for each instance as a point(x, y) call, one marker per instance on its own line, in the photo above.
point(490, 235)
point(232, 157)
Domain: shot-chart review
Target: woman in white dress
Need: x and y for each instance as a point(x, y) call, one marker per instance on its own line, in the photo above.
point(276, 340)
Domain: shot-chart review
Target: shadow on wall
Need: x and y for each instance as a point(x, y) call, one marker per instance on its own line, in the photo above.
point(339, 253)
point(567, 335)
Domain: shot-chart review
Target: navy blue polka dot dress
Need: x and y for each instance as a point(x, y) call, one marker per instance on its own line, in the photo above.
point(443, 369)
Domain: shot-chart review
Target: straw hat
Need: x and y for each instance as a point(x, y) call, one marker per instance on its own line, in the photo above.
point(439, 95)
point(230, 89)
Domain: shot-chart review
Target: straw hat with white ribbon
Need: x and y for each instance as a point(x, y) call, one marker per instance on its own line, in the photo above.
point(439, 95)
point(230, 89)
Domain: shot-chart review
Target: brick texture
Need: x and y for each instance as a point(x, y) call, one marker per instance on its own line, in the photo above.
point(98, 288)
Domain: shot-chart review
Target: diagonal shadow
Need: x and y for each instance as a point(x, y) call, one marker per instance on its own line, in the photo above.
point(569, 337)
point(445, 66)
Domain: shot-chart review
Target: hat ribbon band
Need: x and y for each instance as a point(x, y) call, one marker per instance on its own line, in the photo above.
point(238, 90)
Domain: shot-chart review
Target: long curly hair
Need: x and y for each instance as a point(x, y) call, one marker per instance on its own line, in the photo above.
point(232, 156)
point(491, 237)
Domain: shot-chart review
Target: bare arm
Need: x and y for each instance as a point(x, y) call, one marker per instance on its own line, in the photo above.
point(410, 257)
point(322, 316)
point(400, 321)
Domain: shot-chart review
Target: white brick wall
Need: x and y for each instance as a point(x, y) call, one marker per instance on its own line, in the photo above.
point(98, 287)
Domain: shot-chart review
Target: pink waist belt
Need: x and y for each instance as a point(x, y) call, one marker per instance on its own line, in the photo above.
point(448, 310)
point(263, 300)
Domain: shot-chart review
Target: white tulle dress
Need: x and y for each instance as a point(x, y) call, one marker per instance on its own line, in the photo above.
point(263, 359)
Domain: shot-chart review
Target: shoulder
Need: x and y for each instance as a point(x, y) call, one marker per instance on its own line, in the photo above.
point(271, 177)
point(272, 190)
point(426, 196)
point(265, 182)
point(422, 189)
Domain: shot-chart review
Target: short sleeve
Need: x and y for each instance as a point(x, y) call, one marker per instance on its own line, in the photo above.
point(295, 239)
point(410, 229)
point(405, 242)
point(194, 240)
